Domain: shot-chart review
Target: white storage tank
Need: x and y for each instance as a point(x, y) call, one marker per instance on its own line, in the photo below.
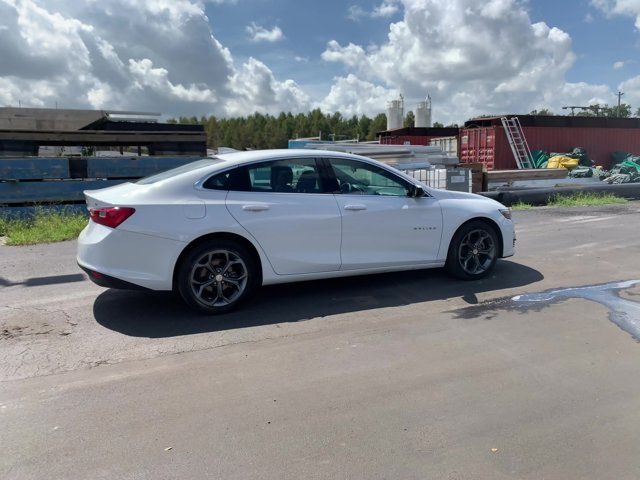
point(423, 114)
point(395, 114)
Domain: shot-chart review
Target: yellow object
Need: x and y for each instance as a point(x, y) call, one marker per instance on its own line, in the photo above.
point(560, 161)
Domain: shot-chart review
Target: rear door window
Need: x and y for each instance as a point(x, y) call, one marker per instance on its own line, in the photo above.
point(296, 175)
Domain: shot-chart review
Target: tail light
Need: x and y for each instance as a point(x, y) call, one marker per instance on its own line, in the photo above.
point(110, 216)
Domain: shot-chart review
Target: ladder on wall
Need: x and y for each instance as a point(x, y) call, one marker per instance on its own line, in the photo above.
point(518, 143)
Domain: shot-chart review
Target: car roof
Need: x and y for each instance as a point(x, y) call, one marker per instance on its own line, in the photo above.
point(257, 155)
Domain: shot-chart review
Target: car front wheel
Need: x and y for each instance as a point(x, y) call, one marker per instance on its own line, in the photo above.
point(473, 251)
point(216, 276)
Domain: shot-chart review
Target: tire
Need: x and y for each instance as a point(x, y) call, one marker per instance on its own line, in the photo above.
point(217, 276)
point(473, 251)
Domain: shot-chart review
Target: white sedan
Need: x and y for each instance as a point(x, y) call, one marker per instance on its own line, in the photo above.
point(216, 229)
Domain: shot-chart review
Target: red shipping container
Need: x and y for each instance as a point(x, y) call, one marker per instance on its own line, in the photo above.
point(478, 145)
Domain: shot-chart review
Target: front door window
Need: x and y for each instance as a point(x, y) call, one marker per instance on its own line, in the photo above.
point(359, 178)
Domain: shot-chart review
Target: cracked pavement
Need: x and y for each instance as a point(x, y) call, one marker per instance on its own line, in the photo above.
point(407, 375)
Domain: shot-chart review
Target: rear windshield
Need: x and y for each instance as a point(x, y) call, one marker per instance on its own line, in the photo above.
point(189, 167)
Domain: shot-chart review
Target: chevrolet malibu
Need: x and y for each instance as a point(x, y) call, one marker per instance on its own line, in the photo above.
point(216, 229)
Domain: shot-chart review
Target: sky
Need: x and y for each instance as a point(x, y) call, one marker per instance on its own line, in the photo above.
point(236, 57)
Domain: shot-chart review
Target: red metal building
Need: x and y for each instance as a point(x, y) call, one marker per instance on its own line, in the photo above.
point(484, 140)
point(415, 135)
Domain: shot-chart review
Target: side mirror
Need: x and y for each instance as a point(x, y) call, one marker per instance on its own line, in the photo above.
point(417, 191)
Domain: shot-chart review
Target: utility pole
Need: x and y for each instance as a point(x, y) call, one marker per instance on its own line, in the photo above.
point(620, 94)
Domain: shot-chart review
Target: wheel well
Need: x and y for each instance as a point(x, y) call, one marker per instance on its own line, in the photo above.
point(490, 223)
point(218, 236)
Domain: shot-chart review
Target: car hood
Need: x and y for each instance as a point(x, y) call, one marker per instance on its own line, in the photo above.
point(473, 196)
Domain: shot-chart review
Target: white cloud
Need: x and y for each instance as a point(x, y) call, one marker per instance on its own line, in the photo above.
point(630, 8)
point(356, 13)
point(351, 55)
point(387, 8)
point(116, 54)
point(157, 79)
point(351, 96)
point(631, 89)
point(618, 65)
point(261, 34)
point(256, 90)
point(472, 57)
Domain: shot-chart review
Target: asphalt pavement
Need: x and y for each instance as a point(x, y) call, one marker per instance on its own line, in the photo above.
point(400, 376)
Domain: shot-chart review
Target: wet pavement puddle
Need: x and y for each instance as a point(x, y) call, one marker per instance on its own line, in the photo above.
point(623, 312)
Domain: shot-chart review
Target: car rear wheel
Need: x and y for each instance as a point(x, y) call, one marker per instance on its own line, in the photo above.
point(473, 251)
point(217, 276)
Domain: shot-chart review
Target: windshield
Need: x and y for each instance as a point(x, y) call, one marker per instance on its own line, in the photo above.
point(189, 167)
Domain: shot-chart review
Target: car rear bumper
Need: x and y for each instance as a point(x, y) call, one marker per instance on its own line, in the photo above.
point(118, 258)
point(109, 282)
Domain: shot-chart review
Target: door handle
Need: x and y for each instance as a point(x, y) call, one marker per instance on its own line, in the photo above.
point(255, 208)
point(355, 207)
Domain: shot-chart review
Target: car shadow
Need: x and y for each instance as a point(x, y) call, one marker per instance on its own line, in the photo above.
point(158, 315)
point(40, 281)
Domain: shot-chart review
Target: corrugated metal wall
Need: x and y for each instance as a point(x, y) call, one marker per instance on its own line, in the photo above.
point(490, 146)
point(406, 140)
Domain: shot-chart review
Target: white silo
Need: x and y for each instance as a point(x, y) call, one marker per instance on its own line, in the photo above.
point(423, 114)
point(395, 114)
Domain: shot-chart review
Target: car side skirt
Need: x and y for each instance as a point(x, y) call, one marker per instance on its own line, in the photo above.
point(272, 280)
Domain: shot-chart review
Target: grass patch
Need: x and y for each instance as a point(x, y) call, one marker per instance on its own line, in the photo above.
point(43, 227)
point(521, 206)
point(585, 199)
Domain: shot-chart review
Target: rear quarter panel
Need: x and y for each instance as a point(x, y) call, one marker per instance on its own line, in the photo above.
point(175, 210)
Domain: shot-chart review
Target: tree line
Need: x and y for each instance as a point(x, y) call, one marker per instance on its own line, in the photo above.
point(596, 110)
point(259, 131)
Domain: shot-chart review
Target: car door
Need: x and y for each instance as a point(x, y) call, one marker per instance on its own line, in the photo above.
point(283, 205)
point(382, 225)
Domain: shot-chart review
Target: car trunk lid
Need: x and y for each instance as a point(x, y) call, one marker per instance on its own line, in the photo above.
point(121, 194)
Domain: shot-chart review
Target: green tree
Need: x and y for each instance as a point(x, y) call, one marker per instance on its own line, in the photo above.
point(258, 130)
point(409, 119)
point(598, 110)
point(624, 111)
point(364, 124)
point(378, 124)
point(542, 111)
point(438, 125)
